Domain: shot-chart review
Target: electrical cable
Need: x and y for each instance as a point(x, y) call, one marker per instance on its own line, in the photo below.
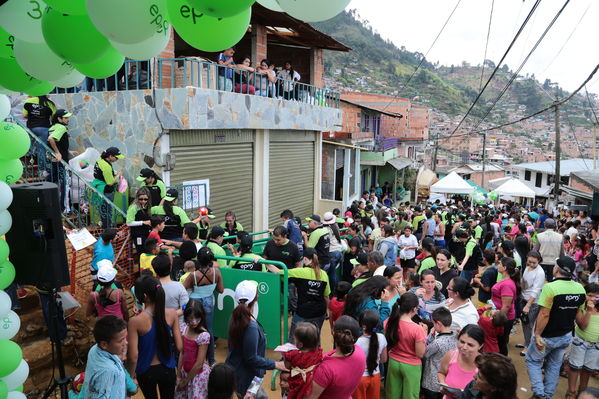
point(591, 105)
point(517, 72)
point(425, 55)
point(482, 72)
point(511, 45)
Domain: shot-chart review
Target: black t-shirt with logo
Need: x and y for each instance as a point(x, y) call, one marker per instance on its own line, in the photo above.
point(287, 253)
point(564, 297)
point(320, 241)
point(311, 291)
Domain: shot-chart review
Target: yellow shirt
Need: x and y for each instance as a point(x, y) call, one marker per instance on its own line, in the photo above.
point(184, 277)
point(145, 262)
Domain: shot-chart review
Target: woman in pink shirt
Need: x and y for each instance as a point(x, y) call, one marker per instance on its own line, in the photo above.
point(340, 371)
point(407, 343)
point(504, 295)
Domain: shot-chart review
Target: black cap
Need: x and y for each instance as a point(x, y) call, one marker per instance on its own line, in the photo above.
point(309, 252)
point(316, 218)
point(217, 231)
point(115, 152)
point(417, 209)
point(361, 259)
point(62, 113)
point(171, 194)
point(566, 263)
point(145, 173)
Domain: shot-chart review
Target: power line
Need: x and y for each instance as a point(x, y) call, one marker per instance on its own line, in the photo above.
point(482, 72)
point(480, 93)
point(515, 75)
point(426, 54)
point(591, 105)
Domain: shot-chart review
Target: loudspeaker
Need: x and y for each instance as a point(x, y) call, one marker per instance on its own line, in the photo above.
point(36, 238)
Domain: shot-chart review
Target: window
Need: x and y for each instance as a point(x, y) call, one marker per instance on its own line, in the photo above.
point(327, 188)
point(564, 180)
point(549, 179)
point(527, 174)
point(352, 171)
point(539, 180)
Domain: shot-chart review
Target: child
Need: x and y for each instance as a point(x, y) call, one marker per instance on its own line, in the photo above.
point(187, 251)
point(158, 224)
point(374, 345)
point(486, 277)
point(102, 250)
point(193, 369)
point(337, 304)
point(109, 300)
point(225, 73)
point(188, 267)
point(104, 359)
point(584, 354)
point(441, 341)
point(302, 361)
point(493, 328)
point(594, 276)
point(151, 250)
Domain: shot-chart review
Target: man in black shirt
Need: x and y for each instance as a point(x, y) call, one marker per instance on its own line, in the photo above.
point(355, 246)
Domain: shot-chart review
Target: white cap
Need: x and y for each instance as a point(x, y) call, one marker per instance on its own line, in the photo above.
point(103, 263)
point(246, 290)
point(106, 274)
point(328, 218)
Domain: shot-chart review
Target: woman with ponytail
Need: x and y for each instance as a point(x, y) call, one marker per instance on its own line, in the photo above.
point(374, 345)
point(504, 295)
point(341, 370)
point(106, 181)
point(174, 216)
point(153, 335)
point(247, 341)
point(407, 343)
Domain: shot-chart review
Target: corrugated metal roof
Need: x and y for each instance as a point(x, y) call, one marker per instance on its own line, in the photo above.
point(590, 177)
point(567, 166)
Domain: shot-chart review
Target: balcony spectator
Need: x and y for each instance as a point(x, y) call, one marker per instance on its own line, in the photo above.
point(225, 73)
point(266, 78)
point(38, 110)
point(106, 181)
point(245, 75)
point(287, 87)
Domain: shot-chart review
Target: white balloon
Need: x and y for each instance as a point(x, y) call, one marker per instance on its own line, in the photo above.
point(4, 111)
point(5, 303)
point(23, 19)
point(72, 79)
point(271, 5)
point(143, 50)
point(17, 377)
point(28, 56)
point(9, 325)
point(5, 222)
point(16, 395)
point(5, 196)
point(313, 10)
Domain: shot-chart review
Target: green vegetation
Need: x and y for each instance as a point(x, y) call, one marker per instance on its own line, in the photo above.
point(376, 65)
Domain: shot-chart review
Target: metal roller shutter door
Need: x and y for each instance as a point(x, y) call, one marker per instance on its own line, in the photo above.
point(229, 166)
point(291, 180)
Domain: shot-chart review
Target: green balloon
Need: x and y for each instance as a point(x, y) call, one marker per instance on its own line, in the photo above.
point(73, 37)
point(40, 90)
point(72, 7)
point(19, 388)
point(4, 250)
point(129, 21)
point(3, 390)
point(11, 358)
point(220, 8)
point(205, 32)
point(11, 171)
point(14, 141)
point(6, 44)
point(104, 67)
point(13, 77)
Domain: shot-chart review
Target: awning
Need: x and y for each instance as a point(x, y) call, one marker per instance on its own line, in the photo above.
point(577, 193)
point(399, 163)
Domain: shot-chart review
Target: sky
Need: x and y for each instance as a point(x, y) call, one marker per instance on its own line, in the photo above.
point(415, 24)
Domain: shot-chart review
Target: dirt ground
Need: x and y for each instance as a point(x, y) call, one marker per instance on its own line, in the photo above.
point(524, 390)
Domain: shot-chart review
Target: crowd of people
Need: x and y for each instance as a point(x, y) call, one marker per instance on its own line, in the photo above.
point(398, 287)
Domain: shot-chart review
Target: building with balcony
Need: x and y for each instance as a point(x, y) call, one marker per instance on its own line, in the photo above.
point(258, 154)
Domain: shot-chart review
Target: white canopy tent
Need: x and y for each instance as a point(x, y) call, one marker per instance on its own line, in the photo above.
point(452, 184)
point(515, 188)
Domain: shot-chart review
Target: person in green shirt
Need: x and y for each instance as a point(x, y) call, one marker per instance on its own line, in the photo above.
point(150, 179)
point(245, 251)
point(138, 218)
point(106, 181)
point(418, 222)
point(58, 140)
point(215, 240)
point(400, 223)
point(428, 248)
point(478, 231)
point(175, 217)
point(231, 225)
point(206, 215)
point(469, 265)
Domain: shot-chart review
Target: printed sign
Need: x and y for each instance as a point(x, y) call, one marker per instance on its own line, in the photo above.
point(196, 193)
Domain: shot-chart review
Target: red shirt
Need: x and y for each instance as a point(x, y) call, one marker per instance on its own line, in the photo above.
point(336, 307)
point(154, 234)
point(491, 333)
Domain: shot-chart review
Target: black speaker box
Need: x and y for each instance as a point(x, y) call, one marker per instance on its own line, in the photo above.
point(36, 238)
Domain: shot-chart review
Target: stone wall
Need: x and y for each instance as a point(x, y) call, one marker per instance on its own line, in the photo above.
point(130, 121)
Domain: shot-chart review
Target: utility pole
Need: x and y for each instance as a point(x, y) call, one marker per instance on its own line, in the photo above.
point(557, 152)
point(434, 162)
point(594, 145)
point(482, 183)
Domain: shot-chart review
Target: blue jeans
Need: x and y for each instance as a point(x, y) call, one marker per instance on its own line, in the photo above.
point(336, 260)
point(553, 357)
point(208, 303)
point(317, 321)
point(468, 274)
point(37, 149)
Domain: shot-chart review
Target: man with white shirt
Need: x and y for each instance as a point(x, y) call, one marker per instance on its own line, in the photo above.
point(550, 245)
point(408, 243)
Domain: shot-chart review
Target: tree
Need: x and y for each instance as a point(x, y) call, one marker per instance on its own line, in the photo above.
point(547, 84)
point(489, 64)
point(505, 68)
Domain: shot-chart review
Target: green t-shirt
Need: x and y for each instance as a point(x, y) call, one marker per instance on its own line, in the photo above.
point(57, 131)
point(470, 245)
point(218, 250)
point(400, 225)
point(307, 273)
point(178, 211)
point(427, 263)
point(591, 333)
point(160, 184)
point(564, 297)
point(478, 232)
point(359, 281)
point(416, 220)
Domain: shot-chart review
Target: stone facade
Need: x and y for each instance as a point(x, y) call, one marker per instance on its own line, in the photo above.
point(130, 121)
